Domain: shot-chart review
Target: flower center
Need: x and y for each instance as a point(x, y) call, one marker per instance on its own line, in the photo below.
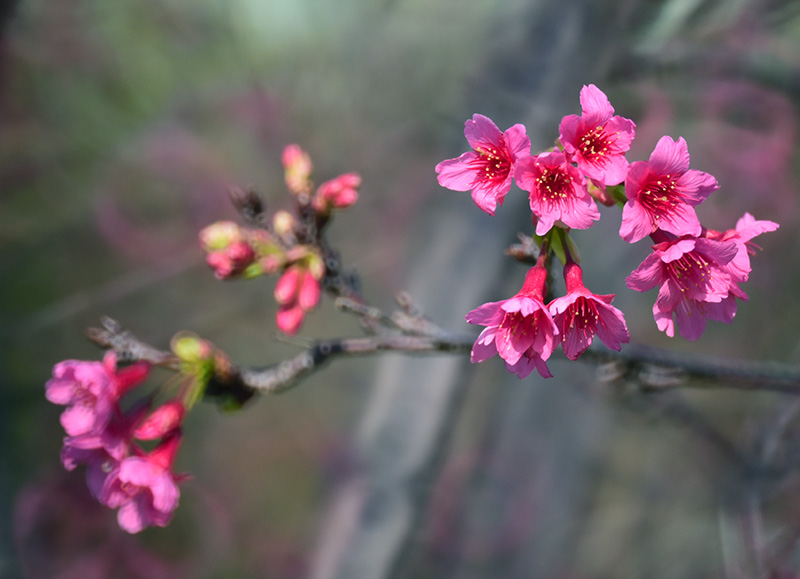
point(554, 185)
point(582, 316)
point(660, 196)
point(493, 163)
point(595, 144)
point(691, 272)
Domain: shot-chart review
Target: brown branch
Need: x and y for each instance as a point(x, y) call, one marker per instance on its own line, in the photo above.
point(655, 369)
point(652, 369)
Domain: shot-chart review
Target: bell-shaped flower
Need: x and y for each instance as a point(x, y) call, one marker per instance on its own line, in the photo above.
point(91, 390)
point(580, 315)
point(144, 487)
point(520, 329)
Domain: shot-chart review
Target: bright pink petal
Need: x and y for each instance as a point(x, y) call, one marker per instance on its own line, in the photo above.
point(481, 131)
point(636, 222)
point(457, 174)
point(488, 314)
point(517, 141)
point(595, 106)
point(670, 157)
point(647, 275)
point(681, 221)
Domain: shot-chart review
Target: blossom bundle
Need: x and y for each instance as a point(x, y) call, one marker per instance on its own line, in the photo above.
point(100, 435)
point(290, 245)
point(697, 270)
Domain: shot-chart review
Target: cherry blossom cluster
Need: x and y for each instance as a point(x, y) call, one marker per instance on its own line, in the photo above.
point(697, 270)
point(288, 245)
point(120, 473)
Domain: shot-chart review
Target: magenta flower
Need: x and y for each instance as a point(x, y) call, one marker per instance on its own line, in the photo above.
point(91, 390)
point(144, 487)
point(694, 284)
point(746, 229)
point(663, 192)
point(580, 315)
point(488, 169)
point(557, 192)
point(598, 140)
point(520, 329)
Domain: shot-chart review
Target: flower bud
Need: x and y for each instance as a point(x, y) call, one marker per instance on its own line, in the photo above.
point(166, 417)
point(283, 222)
point(288, 285)
point(289, 319)
point(219, 235)
point(339, 192)
point(309, 292)
point(297, 169)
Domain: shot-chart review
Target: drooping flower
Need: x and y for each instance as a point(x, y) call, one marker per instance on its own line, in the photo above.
point(557, 192)
point(694, 283)
point(520, 329)
point(91, 390)
point(488, 169)
point(580, 315)
point(597, 140)
point(144, 487)
point(663, 192)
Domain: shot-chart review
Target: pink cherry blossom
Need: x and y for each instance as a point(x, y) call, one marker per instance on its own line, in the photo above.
point(520, 329)
point(694, 283)
point(598, 140)
point(746, 229)
point(557, 192)
point(580, 315)
point(144, 487)
point(91, 390)
point(663, 192)
point(488, 169)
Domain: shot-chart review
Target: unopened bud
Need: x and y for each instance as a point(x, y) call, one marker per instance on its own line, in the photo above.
point(219, 235)
point(297, 169)
point(340, 192)
point(166, 417)
point(283, 222)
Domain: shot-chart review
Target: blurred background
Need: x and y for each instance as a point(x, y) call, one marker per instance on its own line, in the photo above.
point(123, 123)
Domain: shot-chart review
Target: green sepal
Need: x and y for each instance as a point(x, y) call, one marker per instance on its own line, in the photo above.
point(617, 193)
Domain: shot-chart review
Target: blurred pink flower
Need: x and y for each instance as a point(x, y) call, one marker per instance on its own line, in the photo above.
point(663, 192)
point(144, 487)
point(580, 315)
point(488, 169)
point(91, 390)
point(597, 140)
point(557, 192)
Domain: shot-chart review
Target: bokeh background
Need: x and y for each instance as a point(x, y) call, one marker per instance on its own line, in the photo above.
point(123, 123)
